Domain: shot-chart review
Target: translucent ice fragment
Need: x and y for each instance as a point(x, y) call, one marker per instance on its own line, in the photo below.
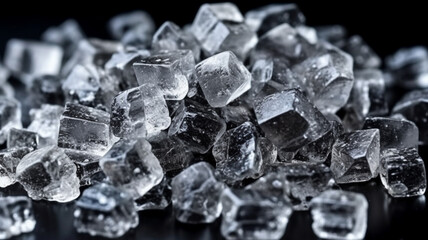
point(196, 194)
point(21, 138)
point(339, 215)
point(131, 165)
point(48, 174)
point(120, 24)
point(9, 160)
point(363, 54)
point(355, 156)
point(46, 121)
point(104, 210)
point(159, 197)
point(197, 126)
point(223, 78)
point(10, 116)
point(402, 172)
point(17, 217)
point(86, 165)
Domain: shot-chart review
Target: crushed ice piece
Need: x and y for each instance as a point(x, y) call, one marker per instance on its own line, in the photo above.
point(363, 54)
point(9, 160)
point(85, 129)
point(339, 215)
point(356, 156)
point(86, 165)
point(48, 174)
point(46, 89)
point(21, 138)
point(10, 115)
point(17, 217)
point(120, 24)
point(106, 211)
point(289, 120)
point(159, 197)
point(46, 121)
point(334, 34)
point(197, 126)
point(196, 194)
point(402, 172)
point(222, 78)
point(131, 166)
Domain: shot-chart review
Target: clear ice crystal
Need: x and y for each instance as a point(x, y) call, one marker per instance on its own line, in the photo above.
point(67, 35)
point(33, 58)
point(17, 217)
point(85, 129)
point(289, 120)
point(364, 56)
point(127, 119)
point(408, 67)
point(236, 113)
point(170, 37)
point(356, 156)
point(197, 126)
point(394, 133)
point(156, 111)
point(46, 121)
point(334, 34)
point(10, 116)
point(263, 19)
point(413, 106)
point(223, 78)
point(48, 174)
point(159, 197)
point(327, 77)
point(171, 152)
point(239, 153)
point(131, 165)
point(168, 71)
point(106, 211)
point(46, 89)
point(339, 215)
point(253, 213)
point(196, 194)
point(402, 172)
point(4, 74)
point(86, 165)
point(120, 24)
point(9, 160)
point(305, 181)
point(21, 138)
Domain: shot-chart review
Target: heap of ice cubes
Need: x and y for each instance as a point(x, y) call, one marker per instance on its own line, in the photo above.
point(248, 117)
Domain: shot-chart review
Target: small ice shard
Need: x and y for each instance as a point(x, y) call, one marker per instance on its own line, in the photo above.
point(334, 34)
point(305, 181)
point(171, 152)
point(46, 121)
point(120, 67)
point(17, 217)
point(33, 58)
point(238, 154)
point(85, 129)
point(262, 71)
point(339, 215)
point(367, 98)
point(364, 56)
point(46, 89)
point(282, 42)
point(159, 197)
point(263, 19)
point(168, 71)
point(156, 111)
point(223, 78)
point(209, 15)
point(253, 213)
point(170, 37)
point(120, 24)
point(10, 115)
point(21, 138)
point(355, 156)
point(402, 172)
point(131, 166)
point(196, 194)
point(48, 174)
point(90, 86)
point(408, 67)
point(328, 77)
point(127, 119)
point(9, 160)
point(197, 126)
point(309, 33)
point(414, 106)
point(91, 52)
point(4, 74)
point(236, 113)
point(106, 211)
point(67, 35)
point(86, 165)
point(289, 120)
point(394, 133)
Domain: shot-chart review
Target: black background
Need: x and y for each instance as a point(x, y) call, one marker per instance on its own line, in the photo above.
point(385, 27)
